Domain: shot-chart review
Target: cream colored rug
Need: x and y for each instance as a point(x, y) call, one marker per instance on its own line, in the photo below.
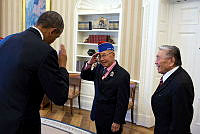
point(50, 126)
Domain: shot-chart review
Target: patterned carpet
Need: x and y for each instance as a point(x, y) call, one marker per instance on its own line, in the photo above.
point(50, 126)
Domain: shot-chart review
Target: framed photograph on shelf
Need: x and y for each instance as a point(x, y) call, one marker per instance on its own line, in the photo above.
point(101, 23)
point(32, 9)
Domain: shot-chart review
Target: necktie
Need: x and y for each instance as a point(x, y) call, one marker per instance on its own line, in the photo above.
point(161, 81)
point(104, 71)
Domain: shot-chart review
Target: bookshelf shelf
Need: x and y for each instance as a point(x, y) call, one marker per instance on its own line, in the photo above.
point(83, 56)
point(92, 44)
point(98, 30)
point(99, 13)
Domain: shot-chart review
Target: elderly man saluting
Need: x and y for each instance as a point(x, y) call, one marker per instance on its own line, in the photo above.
point(112, 90)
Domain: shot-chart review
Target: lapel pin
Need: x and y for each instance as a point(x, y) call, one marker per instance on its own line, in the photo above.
point(111, 74)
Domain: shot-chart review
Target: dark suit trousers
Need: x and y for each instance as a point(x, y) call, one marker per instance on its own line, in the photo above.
point(106, 128)
point(30, 127)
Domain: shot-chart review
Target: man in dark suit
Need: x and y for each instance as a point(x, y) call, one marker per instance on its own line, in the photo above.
point(30, 67)
point(112, 90)
point(173, 99)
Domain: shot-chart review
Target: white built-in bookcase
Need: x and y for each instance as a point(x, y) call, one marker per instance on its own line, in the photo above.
point(81, 48)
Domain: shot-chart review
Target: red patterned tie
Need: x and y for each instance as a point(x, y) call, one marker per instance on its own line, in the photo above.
point(161, 81)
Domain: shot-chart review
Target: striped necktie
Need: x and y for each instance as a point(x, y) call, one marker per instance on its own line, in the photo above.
point(161, 81)
point(104, 71)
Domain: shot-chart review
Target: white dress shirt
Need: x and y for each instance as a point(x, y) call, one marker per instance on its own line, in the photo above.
point(166, 75)
point(42, 36)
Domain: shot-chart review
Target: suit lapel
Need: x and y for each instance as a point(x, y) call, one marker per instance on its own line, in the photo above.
point(102, 82)
point(168, 80)
point(114, 71)
point(99, 76)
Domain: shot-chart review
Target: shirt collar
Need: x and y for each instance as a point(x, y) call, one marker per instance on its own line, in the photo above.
point(166, 75)
point(110, 67)
point(42, 36)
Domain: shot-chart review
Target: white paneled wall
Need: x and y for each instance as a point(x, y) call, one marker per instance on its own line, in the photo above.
point(11, 17)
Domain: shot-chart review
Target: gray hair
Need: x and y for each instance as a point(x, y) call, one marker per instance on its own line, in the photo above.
point(51, 19)
point(173, 51)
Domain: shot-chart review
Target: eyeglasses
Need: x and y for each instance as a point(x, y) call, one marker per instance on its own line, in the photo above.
point(104, 55)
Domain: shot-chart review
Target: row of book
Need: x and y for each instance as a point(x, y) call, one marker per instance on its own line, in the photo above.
point(85, 25)
point(98, 38)
point(113, 25)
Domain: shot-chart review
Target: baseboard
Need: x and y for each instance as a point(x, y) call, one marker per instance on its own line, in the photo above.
point(144, 120)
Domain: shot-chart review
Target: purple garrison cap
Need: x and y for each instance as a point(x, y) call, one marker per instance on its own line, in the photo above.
point(105, 46)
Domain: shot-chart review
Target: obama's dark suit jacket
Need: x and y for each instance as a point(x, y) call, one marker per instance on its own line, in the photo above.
point(28, 69)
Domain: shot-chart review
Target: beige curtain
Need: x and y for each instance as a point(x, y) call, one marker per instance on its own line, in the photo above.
point(66, 8)
point(131, 36)
point(10, 17)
